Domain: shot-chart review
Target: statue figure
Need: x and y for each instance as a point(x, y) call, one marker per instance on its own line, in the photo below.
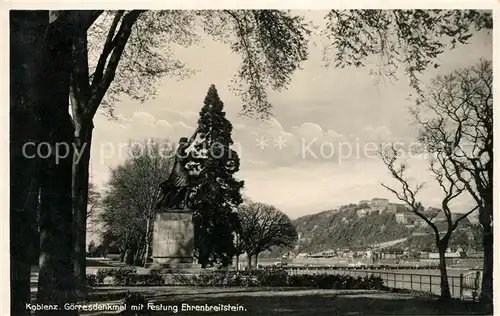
point(176, 188)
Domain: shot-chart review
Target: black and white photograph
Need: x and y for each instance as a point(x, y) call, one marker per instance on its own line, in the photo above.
point(250, 161)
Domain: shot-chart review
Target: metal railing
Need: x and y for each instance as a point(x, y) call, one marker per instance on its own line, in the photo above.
point(464, 286)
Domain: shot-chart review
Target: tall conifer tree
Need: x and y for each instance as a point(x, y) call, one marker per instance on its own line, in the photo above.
point(216, 192)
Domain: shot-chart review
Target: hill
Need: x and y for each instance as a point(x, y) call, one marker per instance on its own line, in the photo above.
point(345, 227)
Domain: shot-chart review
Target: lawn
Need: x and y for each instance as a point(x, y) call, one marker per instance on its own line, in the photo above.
point(271, 301)
point(296, 302)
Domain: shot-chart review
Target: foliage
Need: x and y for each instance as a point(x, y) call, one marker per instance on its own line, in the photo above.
point(264, 226)
point(280, 278)
point(215, 191)
point(271, 43)
point(97, 251)
point(94, 200)
point(255, 278)
point(123, 276)
point(92, 280)
point(133, 190)
point(93, 250)
point(91, 245)
point(412, 39)
point(128, 277)
point(153, 278)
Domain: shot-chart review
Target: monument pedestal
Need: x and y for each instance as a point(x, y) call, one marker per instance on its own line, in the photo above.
point(173, 242)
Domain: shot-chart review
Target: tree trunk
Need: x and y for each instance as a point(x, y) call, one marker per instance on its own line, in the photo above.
point(445, 287)
point(203, 246)
point(56, 281)
point(26, 73)
point(80, 192)
point(146, 252)
point(139, 255)
point(237, 262)
point(256, 260)
point(122, 255)
point(486, 296)
point(249, 261)
point(131, 251)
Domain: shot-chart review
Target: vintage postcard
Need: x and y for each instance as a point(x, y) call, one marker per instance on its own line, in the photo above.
point(238, 159)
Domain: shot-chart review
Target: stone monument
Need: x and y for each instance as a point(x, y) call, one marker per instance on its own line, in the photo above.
point(173, 239)
point(173, 229)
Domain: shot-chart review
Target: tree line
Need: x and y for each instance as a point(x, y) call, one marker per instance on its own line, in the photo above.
point(85, 60)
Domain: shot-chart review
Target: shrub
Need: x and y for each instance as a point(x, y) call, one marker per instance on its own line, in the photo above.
point(124, 277)
point(103, 273)
point(120, 276)
point(335, 281)
point(272, 278)
point(153, 278)
point(91, 280)
point(304, 280)
point(349, 282)
point(181, 279)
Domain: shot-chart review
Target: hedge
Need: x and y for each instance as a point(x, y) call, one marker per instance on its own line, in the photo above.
point(257, 278)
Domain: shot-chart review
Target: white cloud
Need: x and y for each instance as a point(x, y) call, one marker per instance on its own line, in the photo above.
point(143, 118)
point(334, 134)
point(163, 124)
point(308, 131)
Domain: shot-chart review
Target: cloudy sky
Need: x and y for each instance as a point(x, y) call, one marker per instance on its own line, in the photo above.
point(323, 109)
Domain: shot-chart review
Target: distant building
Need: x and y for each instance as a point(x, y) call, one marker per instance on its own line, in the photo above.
point(456, 254)
point(400, 218)
point(392, 254)
point(391, 208)
point(302, 255)
point(363, 212)
point(424, 255)
point(409, 218)
point(329, 253)
point(376, 204)
point(394, 208)
point(415, 219)
point(379, 203)
point(349, 254)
